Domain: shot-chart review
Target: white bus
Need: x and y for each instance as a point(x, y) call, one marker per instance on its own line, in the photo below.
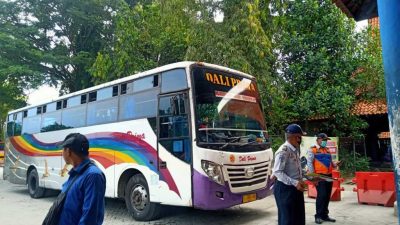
point(186, 134)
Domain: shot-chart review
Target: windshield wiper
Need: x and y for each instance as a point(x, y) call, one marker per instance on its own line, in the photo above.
point(233, 139)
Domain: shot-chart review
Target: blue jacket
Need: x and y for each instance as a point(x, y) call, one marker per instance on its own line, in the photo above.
point(84, 202)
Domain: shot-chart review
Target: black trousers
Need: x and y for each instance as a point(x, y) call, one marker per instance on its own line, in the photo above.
point(290, 203)
point(324, 189)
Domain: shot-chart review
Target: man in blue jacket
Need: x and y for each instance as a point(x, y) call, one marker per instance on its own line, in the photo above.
point(84, 202)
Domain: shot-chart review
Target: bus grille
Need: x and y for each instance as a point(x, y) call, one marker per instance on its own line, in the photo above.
point(244, 178)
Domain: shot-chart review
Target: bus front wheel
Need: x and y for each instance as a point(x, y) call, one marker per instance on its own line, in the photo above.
point(137, 199)
point(35, 191)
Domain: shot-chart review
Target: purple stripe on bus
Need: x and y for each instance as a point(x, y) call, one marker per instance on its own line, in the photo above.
point(204, 194)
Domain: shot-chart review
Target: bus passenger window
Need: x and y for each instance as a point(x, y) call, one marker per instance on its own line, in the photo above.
point(143, 84)
point(123, 88)
point(102, 112)
point(173, 80)
point(58, 105)
point(115, 91)
point(74, 117)
point(10, 126)
point(83, 98)
point(92, 96)
point(18, 124)
point(51, 121)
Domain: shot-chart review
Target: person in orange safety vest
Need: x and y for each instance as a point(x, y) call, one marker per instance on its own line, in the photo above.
point(319, 161)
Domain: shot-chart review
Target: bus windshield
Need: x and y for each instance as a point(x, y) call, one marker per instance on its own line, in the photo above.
point(229, 116)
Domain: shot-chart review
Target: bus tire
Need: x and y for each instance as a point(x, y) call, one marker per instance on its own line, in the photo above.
point(35, 191)
point(137, 200)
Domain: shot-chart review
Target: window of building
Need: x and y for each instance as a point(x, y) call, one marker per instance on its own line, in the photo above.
point(74, 117)
point(25, 113)
point(102, 112)
point(44, 109)
point(173, 80)
point(65, 103)
point(39, 110)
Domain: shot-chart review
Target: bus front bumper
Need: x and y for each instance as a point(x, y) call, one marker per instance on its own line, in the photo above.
point(208, 195)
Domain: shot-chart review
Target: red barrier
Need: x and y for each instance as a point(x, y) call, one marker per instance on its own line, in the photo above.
point(375, 188)
point(336, 189)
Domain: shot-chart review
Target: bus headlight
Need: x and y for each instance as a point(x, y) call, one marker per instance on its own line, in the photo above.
point(213, 171)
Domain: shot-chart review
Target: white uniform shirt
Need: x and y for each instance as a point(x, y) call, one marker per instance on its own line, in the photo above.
point(287, 167)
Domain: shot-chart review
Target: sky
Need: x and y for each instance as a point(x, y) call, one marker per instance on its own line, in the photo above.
point(43, 94)
point(46, 93)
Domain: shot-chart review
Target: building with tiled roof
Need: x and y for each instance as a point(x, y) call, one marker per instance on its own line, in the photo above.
point(367, 108)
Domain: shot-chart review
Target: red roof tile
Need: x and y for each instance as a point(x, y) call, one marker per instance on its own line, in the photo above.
point(365, 108)
point(384, 135)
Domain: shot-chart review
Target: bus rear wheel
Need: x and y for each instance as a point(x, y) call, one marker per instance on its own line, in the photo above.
point(137, 200)
point(35, 191)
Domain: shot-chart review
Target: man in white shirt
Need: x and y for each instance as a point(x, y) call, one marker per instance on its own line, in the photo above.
point(289, 186)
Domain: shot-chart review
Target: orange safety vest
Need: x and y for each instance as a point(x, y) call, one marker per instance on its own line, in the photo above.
point(322, 160)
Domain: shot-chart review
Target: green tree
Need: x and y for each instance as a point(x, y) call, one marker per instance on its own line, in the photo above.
point(318, 50)
point(154, 34)
point(369, 78)
point(148, 34)
point(53, 42)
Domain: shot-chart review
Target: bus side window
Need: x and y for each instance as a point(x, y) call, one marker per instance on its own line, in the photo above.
point(10, 125)
point(18, 124)
point(174, 126)
point(173, 80)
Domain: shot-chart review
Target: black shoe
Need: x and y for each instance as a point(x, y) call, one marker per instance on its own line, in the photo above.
point(328, 219)
point(318, 220)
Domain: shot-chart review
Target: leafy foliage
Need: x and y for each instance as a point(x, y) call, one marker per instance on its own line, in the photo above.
point(51, 41)
point(369, 78)
point(318, 50)
point(353, 162)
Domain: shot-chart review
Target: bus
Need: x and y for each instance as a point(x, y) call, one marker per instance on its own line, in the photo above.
point(186, 134)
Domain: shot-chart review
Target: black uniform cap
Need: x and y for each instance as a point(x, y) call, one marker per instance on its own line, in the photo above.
point(77, 143)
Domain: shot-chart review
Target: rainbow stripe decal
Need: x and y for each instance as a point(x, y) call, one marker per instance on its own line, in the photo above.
point(108, 148)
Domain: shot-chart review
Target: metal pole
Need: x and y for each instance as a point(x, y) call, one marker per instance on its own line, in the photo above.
point(389, 18)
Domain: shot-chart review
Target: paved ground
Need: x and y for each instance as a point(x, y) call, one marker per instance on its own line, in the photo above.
point(17, 208)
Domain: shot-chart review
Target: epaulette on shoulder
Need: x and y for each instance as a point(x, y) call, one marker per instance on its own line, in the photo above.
point(284, 148)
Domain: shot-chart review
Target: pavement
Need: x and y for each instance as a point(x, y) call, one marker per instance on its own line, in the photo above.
point(17, 208)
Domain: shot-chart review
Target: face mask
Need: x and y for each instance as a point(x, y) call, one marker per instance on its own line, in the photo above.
point(324, 143)
point(299, 141)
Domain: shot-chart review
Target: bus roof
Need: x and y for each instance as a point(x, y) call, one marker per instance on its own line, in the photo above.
point(183, 64)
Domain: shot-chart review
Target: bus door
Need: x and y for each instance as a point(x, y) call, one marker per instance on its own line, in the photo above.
point(174, 146)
